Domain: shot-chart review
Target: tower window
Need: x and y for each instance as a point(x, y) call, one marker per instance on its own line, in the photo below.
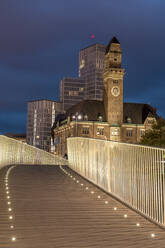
point(115, 59)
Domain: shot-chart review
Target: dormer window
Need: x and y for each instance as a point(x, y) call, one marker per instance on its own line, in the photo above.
point(99, 117)
point(129, 120)
point(85, 117)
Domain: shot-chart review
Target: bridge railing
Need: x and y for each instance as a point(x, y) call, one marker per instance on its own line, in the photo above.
point(16, 152)
point(134, 174)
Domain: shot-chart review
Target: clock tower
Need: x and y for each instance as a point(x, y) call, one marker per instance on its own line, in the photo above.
point(113, 84)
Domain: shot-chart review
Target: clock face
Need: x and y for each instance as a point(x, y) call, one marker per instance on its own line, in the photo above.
point(115, 91)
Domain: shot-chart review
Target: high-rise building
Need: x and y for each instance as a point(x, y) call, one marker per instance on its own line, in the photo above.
point(72, 91)
point(40, 119)
point(91, 67)
point(89, 84)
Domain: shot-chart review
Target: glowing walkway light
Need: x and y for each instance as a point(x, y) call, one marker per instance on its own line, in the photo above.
point(13, 239)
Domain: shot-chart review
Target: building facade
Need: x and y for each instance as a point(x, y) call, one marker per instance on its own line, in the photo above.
point(40, 118)
point(89, 84)
point(91, 67)
point(72, 91)
point(110, 119)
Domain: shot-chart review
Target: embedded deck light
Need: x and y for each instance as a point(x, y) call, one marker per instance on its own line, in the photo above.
point(13, 239)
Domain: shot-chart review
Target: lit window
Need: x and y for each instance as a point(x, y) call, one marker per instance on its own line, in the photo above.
point(73, 93)
point(100, 131)
point(115, 132)
point(85, 130)
point(81, 89)
point(129, 132)
point(70, 93)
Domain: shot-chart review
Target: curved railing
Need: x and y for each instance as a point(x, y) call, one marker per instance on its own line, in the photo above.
point(134, 174)
point(16, 152)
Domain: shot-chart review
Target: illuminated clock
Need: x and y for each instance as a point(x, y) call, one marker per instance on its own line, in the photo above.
point(115, 91)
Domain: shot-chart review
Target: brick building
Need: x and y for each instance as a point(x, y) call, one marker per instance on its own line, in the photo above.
point(110, 119)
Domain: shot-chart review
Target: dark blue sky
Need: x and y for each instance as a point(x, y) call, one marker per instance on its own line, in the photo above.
point(40, 41)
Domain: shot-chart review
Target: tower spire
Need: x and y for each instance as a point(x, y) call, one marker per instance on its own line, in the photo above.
point(113, 40)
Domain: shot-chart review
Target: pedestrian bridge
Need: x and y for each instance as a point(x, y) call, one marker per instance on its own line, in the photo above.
point(54, 206)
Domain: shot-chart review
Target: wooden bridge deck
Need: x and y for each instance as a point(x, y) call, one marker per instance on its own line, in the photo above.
point(51, 209)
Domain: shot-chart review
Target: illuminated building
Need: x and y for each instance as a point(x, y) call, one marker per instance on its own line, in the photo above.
point(89, 84)
point(72, 91)
point(91, 67)
point(110, 119)
point(40, 118)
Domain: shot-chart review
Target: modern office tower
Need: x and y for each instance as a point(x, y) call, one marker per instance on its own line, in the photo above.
point(91, 67)
point(40, 119)
point(72, 91)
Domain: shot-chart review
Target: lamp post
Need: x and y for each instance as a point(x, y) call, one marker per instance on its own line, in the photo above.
point(76, 117)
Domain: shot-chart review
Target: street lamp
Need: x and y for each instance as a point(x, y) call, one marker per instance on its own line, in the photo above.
point(76, 117)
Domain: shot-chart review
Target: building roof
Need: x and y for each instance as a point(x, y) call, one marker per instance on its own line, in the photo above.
point(15, 135)
point(135, 112)
point(95, 44)
point(114, 40)
point(138, 112)
point(91, 108)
